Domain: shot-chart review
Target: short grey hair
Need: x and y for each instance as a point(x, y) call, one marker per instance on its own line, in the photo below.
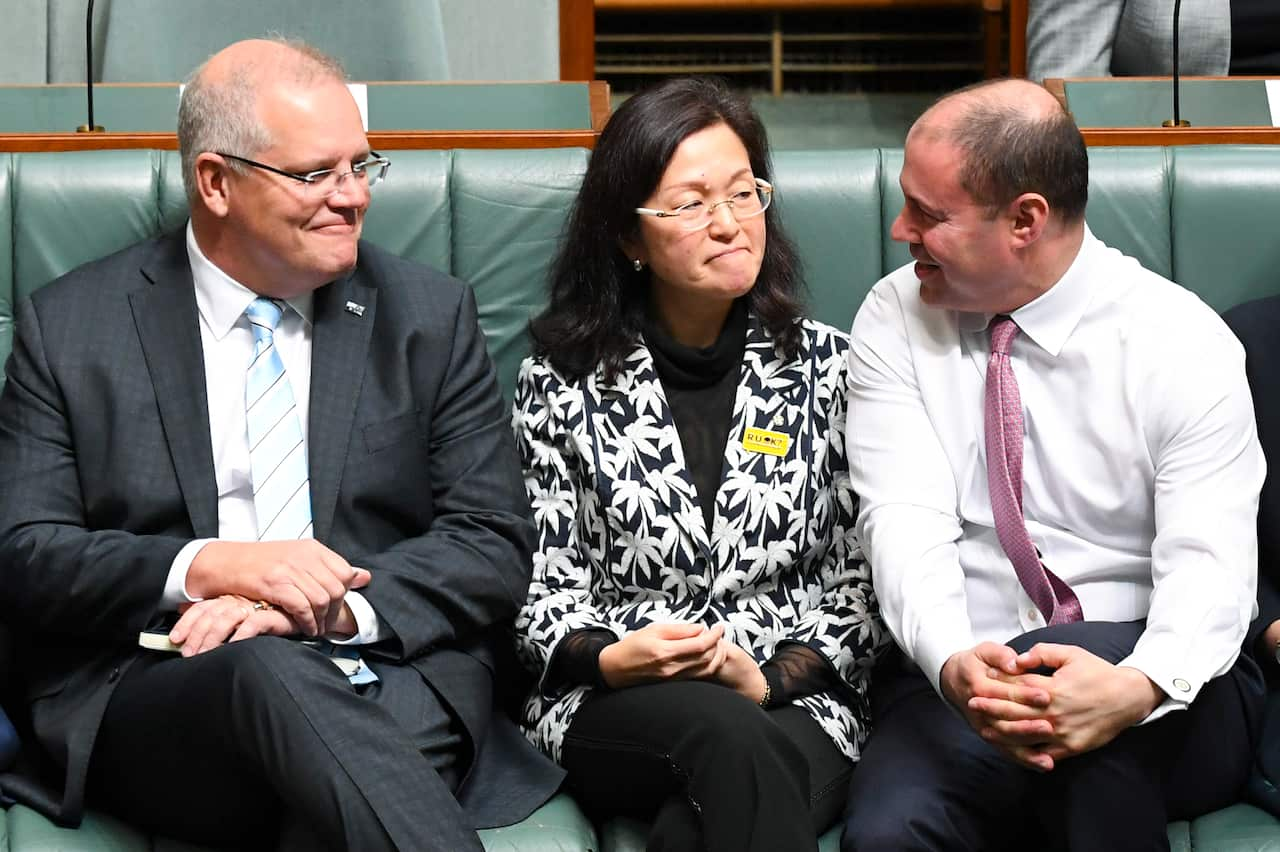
point(222, 115)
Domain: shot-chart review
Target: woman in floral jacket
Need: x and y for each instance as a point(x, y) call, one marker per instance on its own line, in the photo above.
point(700, 618)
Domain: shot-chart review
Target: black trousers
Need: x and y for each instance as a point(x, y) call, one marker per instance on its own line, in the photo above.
point(711, 768)
point(927, 781)
point(1263, 788)
point(265, 744)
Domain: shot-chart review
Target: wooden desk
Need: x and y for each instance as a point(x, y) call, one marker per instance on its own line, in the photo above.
point(595, 114)
point(1220, 135)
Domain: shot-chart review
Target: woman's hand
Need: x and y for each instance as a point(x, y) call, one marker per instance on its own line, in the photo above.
point(741, 673)
point(664, 652)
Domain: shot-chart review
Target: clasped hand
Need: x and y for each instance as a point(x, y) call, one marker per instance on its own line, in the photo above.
point(303, 581)
point(681, 652)
point(206, 624)
point(1036, 719)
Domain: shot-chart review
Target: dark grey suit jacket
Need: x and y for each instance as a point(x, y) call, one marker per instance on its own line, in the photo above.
point(1257, 323)
point(106, 471)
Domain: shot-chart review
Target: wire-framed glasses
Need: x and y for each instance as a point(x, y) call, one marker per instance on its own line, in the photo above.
point(323, 183)
point(695, 215)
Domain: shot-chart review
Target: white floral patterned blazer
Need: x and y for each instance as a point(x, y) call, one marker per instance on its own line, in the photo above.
point(622, 540)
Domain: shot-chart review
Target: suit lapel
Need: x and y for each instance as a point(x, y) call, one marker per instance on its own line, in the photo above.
point(771, 396)
point(339, 353)
point(637, 433)
point(167, 322)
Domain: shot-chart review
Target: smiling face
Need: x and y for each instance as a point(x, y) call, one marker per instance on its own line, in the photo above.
point(276, 237)
point(717, 263)
point(963, 252)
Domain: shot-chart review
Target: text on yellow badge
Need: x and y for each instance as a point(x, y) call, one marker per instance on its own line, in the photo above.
point(763, 441)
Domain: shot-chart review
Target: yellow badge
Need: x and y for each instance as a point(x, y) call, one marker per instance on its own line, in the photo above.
point(763, 441)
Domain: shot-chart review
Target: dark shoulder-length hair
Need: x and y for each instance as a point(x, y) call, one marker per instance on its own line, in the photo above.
point(598, 300)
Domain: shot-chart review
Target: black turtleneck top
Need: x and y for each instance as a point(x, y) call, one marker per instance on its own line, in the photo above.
point(701, 386)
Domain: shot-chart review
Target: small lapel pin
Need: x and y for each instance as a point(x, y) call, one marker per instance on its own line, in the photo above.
point(353, 308)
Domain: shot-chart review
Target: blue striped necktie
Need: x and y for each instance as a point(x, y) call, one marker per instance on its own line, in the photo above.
point(278, 458)
point(277, 454)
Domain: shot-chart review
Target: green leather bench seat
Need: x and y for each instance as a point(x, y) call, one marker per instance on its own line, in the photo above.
point(1205, 217)
point(558, 826)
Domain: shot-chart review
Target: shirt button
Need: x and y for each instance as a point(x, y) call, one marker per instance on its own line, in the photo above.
point(1181, 685)
point(1033, 614)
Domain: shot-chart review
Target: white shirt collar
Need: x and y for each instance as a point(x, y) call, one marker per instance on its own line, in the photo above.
point(1050, 318)
point(221, 299)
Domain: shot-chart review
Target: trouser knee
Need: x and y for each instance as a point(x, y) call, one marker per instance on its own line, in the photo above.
point(731, 735)
point(266, 676)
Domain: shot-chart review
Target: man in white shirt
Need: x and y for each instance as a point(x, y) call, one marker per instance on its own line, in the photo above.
point(1086, 494)
point(257, 432)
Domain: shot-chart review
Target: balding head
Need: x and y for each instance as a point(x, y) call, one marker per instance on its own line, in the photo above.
point(1015, 138)
point(1013, 97)
point(218, 110)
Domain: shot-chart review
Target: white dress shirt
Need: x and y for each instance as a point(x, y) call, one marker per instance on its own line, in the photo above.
point(227, 341)
point(1141, 468)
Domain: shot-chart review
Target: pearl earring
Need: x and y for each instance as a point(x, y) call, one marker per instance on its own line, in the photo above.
point(637, 264)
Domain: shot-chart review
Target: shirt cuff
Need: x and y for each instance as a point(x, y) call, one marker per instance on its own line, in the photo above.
point(937, 645)
point(175, 586)
point(1179, 692)
point(369, 627)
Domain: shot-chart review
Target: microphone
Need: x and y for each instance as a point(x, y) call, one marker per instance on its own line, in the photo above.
point(89, 127)
point(1177, 120)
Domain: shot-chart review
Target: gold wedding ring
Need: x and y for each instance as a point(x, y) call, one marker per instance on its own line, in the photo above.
point(258, 606)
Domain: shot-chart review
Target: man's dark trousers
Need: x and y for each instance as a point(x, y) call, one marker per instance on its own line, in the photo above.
point(928, 781)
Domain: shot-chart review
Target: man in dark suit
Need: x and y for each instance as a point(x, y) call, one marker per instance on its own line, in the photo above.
point(1256, 324)
point(268, 431)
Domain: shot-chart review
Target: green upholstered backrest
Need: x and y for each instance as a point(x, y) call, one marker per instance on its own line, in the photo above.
point(1207, 217)
point(1129, 206)
point(71, 208)
point(411, 214)
point(1226, 224)
point(829, 204)
point(509, 213)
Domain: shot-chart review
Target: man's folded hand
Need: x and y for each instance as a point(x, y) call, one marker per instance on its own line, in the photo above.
point(303, 578)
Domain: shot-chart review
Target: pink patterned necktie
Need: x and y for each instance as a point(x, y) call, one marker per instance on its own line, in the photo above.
point(1003, 418)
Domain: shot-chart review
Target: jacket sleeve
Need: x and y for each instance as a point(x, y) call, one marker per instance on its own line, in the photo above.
point(468, 570)
point(562, 595)
point(61, 575)
point(844, 625)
